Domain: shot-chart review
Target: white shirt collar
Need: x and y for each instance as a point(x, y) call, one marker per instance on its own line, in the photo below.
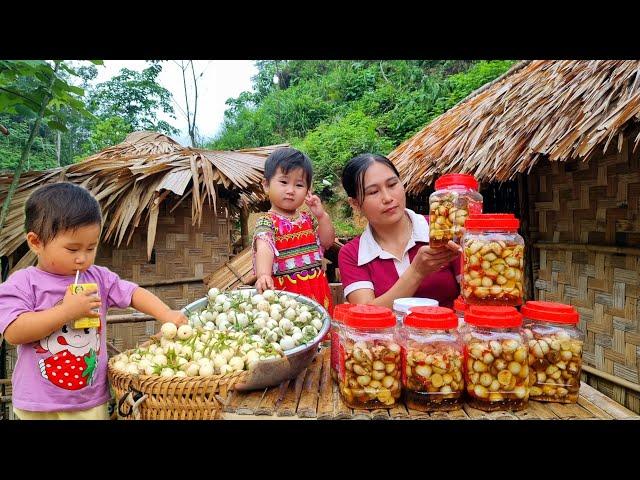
point(370, 249)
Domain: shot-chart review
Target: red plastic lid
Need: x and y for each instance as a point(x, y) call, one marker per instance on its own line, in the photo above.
point(370, 316)
point(550, 312)
point(492, 221)
point(461, 179)
point(340, 311)
point(431, 317)
point(459, 304)
point(499, 317)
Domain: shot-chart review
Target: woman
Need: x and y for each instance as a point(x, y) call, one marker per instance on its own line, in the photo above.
point(392, 258)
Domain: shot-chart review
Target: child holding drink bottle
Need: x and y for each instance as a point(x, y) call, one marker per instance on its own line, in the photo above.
point(61, 371)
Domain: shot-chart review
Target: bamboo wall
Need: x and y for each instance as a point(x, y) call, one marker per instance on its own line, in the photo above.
point(184, 254)
point(590, 212)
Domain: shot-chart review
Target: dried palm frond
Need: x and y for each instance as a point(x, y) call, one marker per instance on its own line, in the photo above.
point(558, 110)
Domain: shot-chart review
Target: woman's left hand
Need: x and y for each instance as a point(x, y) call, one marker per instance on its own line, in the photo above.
point(315, 205)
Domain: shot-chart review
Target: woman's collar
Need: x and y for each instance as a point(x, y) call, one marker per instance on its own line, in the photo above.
point(369, 249)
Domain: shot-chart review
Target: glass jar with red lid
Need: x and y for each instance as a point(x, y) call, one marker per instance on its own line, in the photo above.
point(555, 351)
point(370, 367)
point(455, 198)
point(339, 315)
point(492, 261)
point(432, 376)
point(496, 359)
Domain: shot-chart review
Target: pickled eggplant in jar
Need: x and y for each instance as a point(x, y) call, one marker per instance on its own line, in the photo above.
point(555, 351)
point(496, 359)
point(455, 198)
point(493, 261)
point(432, 362)
point(370, 368)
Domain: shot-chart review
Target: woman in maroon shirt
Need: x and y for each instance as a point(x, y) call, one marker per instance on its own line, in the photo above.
point(392, 258)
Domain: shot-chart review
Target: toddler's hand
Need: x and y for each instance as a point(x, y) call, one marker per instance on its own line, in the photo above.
point(315, 205)
point(174, 316)
point(81, 305)
point(264, 282)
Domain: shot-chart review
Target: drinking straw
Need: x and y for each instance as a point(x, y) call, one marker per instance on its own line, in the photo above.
point(77, 275)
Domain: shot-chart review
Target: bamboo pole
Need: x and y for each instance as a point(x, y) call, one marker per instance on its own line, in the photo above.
point(611, 378)
point(590, 248)
point(129, 318)
point(175, 281)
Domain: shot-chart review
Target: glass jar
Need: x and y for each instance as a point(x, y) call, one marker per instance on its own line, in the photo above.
point(555, 351)
point(496, 359)
point(370, 365)
point(339, 315)
point(492, 261)
point(432, 357)
point(455, 198)
point(401, 306)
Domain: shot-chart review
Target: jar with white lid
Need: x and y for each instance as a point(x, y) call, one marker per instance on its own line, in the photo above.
point(401, 306)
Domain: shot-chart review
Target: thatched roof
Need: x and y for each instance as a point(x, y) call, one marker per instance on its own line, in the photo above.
point(557, 110)
point(132, 179)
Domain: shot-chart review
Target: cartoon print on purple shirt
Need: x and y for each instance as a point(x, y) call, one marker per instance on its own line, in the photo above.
point(74, 356)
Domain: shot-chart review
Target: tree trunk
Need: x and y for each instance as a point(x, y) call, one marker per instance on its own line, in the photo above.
point(26, 151)
point(192, 127)
point(244, 226)
point(58, 143)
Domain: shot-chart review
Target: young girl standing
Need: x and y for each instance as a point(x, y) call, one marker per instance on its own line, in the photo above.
point(61, 371)
point(288, 244)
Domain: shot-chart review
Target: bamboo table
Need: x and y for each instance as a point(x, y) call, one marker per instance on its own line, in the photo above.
point(313, 395)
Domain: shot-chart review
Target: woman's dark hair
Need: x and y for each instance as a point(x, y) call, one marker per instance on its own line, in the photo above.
point(355, 169)
point(58, 207)
point(288, 159)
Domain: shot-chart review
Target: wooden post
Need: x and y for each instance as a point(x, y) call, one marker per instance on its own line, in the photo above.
point(244, 226)
point(523, 202)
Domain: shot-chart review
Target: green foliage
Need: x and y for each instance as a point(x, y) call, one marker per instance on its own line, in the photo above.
point(106, 132)
point(135, 97)
point(42, 155)
point(332, 144)
point(25, 86)
point(334, 110)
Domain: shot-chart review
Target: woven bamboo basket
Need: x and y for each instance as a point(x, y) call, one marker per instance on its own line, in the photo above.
point(152, 397)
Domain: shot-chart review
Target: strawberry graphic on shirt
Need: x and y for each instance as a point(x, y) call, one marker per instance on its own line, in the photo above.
point(69, 371)
point(73, 362)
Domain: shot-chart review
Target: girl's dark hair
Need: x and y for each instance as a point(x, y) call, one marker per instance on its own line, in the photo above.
point(355, 169)
point(288, 159)
point(58, 207)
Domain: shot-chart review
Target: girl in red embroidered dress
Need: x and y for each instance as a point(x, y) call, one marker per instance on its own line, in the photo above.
point(288, 244)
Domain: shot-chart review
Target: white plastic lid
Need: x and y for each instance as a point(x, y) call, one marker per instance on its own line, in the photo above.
point(403, 305)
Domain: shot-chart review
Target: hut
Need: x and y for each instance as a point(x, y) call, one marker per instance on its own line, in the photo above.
point(563, 137)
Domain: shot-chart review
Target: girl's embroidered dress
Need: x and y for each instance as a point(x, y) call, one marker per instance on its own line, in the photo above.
point(297, 265)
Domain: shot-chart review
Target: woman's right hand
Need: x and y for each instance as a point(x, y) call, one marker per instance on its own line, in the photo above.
point(264, 282)
point(429, 260)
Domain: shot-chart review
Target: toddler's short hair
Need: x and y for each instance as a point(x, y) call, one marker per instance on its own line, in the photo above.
point(288, 159)
point(58, 207)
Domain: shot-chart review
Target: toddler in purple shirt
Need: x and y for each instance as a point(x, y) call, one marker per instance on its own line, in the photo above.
point(61, 371)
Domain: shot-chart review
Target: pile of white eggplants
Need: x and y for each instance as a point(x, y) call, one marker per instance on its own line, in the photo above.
point(234, 332)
